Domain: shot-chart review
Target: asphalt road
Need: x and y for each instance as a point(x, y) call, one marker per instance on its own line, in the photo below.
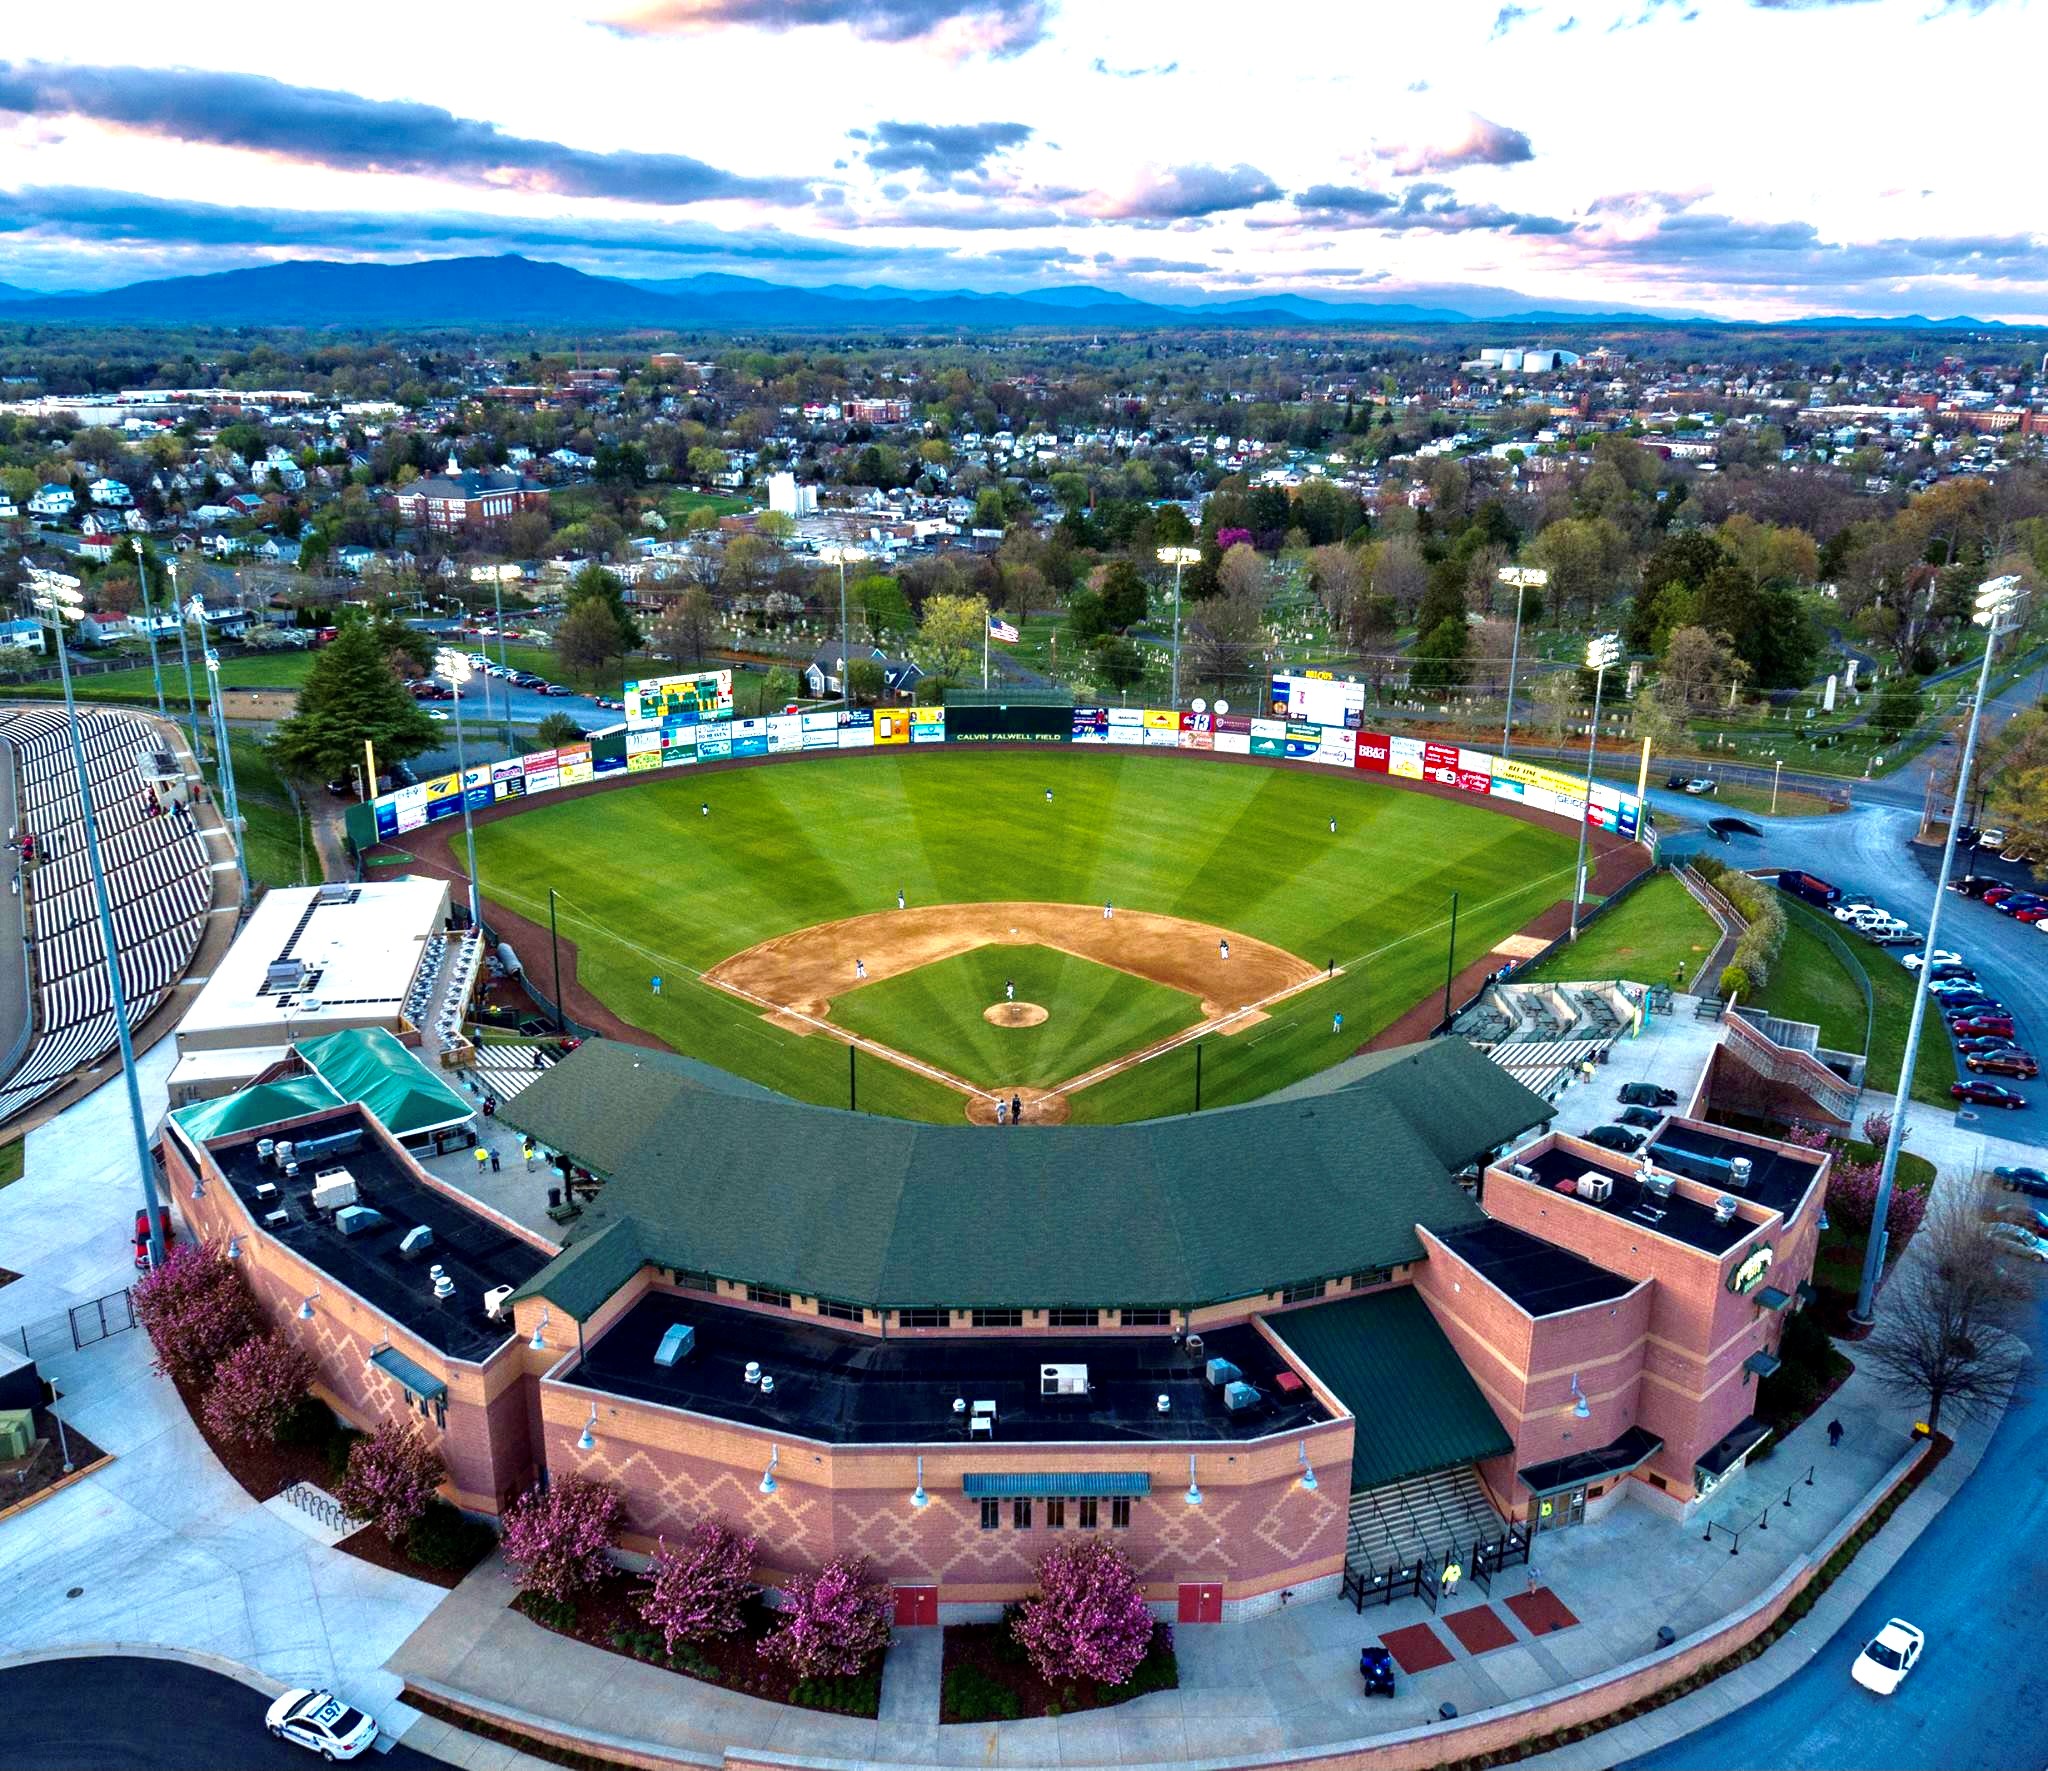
point(147, 1715)
point(1974, 1581)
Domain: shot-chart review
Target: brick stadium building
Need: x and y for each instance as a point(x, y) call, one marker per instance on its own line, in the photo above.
point(945, 1345)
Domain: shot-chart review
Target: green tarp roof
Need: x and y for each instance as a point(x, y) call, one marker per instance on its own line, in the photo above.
point(265, 1104)
point(1417, 1408)
point(1200, 1208)
point(369, 1065)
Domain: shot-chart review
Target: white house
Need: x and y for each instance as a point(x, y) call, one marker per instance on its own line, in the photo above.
point(10, 512)
point(21, 636)
point(52, 500)
point(111, 493)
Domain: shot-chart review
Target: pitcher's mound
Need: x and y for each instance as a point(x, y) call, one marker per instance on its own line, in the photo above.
point(1013, 1014)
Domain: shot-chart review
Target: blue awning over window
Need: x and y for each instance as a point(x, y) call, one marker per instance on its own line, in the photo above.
point(413, 1378)
point(1031, 1483)
point(1771, 1298)
point(1761, 1364)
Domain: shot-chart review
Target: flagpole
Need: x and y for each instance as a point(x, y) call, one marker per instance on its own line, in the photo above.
point(988, 622)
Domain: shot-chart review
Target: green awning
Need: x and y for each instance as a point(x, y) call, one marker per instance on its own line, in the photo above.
point(265, 1104)
point(1771, 1298)
point(1388, 1362)
point(412, 1377)
point(1029, 1484)
point(1761, 1365)
point(369, 1065)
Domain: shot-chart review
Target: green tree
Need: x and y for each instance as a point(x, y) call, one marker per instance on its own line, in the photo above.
point(951, 637)
point(865, 683)
point(589, 640)
point(1120, 661)
point(351, 694)
point(1898, 709)
point(556, 729)
point(1123, 596)
point(880, 598)
point(989, 510)
point(1086, 620)
point(595, 585)
point(1439, 656)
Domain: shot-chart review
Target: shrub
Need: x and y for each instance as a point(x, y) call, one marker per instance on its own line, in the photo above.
point(559, 1538)
point(195, 1310)
point(1089, 1619)
point(1734, 983)
point(446, 1537)
point(310, 1424)
point(833, 1622)
point(700, 1588)
point(972, 1696)
point(257, 1389)
point(1877, 1128)
point(391, 1478)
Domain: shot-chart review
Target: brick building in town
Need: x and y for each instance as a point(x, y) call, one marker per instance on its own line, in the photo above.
point(466, 498)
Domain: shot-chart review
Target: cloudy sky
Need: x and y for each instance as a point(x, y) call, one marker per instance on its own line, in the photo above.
point(1746, 158)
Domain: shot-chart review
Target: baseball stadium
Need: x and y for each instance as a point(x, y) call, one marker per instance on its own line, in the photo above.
point(1005, 1134)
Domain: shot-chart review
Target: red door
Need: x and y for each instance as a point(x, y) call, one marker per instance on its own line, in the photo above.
point(1200, 1602)
point(916, 1607)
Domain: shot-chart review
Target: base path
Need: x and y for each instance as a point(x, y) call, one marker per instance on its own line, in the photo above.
point(793, 978)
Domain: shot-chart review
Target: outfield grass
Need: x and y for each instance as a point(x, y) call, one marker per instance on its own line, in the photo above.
point(1093, 1013)
point(255, 670)
point(649, 887)
point(1656, 928)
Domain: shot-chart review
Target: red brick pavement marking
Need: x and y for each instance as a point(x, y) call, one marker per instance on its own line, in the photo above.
point(1417, 1648)
point(1481, 1629)
point(1541, 1612)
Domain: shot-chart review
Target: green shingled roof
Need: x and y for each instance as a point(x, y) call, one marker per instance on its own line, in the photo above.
point(1388, 1362)
point(1197, 1209)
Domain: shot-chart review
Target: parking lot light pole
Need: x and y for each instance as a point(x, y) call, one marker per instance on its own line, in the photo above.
point(1522, 578)
point(1996, 600)
point(1600, 653)
point(61, 597)
point(1179, 558)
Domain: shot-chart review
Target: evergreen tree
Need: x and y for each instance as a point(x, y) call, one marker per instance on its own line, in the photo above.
point(351, 693)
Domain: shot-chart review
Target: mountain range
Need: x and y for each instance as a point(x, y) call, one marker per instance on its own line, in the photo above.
point(521, 292)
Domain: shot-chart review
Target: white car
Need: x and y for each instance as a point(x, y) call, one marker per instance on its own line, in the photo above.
point(2015, 1240)
point(1942, 956)
point(1700, 784)
point(321, 1723)
point(1888, 1657)
point(1991, 837)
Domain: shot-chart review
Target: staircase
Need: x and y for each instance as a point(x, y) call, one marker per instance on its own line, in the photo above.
point(1418, 1517)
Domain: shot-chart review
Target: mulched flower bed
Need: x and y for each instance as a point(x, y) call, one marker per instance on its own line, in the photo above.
point(986, 1677)
point(609, 1618)
point(43, 1468)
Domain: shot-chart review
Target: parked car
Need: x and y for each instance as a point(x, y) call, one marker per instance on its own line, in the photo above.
point(2031, 1181)
point(1888, 1657)
point(2014, 1240)
point(2005, 1063)
point(2014, 902)
point(1699, 784)
point(1987, 1094)
point(1944, 971)
point(1992, 893)
point(1992, 836)
point(163, 1222)
point(1617, 1138)
point(1809, 886)
point(321, 1723)
point(2026, 1217)
point(1674, 783)
point(1971, 1024)
point(1648, 1094)
point(1942, 956)
point(1985, 1042)
point(2032, 913)
point(1642, 1118)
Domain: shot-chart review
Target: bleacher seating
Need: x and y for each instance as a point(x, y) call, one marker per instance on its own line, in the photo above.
point(159, 884)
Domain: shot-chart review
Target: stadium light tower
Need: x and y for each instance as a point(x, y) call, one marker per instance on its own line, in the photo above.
point(61, 597)
point(842, 557)
point(185, 659)
point(1523, 578)
point(156, 676)
point(455, 666)
point(1179, 558)
point(1997, 599)
point(1600, 653)
point(231, 803)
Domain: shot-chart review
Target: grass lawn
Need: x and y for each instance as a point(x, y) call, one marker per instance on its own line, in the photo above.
point(1810, 983)
point(1934, 1069)
point(12, 1156)
point(1738, 796)
point(648, 887)
point(1658, 927)
point(279, 843)
point(255, 670)
point(1093, 1013)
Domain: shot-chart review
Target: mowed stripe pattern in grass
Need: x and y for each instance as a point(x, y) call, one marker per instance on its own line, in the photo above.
point(650, 886)
point(1094, 1013)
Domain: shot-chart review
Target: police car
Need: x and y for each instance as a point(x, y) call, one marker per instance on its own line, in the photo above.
point(321, 1723)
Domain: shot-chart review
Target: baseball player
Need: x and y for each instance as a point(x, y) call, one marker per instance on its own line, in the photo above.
point(1107, 908)
point(1002, 1111)
point(1048, 796)
point(899, 897)
point(1009, 990)
point(1333, 826)
point(860, 968)
point(1223, 949)
point(705, 809)
point(1016, 1109)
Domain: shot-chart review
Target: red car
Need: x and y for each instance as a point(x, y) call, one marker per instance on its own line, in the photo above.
point(2033, 913)
point(2020, 1064)
point(1969, 1026)
point(163, 1223)
point(1997, 892)
point(1988, 1094)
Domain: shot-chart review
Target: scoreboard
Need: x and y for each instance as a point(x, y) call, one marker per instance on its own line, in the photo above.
point(1318, 698)
point(665, 699)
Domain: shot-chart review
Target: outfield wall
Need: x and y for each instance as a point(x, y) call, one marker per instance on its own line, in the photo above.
point(681, 743)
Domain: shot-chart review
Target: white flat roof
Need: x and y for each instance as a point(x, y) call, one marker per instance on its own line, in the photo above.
point(360, 955)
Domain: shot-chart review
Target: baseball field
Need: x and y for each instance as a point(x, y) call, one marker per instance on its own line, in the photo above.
point(1073, 923)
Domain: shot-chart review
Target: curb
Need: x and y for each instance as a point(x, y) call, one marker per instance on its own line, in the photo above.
point(194, 1657)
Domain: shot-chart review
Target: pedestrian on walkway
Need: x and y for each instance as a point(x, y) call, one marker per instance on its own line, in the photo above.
point(526, 1150)
point(482, 1157)
point(496, 1166)
point(1834, 1435)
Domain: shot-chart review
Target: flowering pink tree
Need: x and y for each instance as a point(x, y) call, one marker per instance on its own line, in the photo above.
point(833, 1622)
point(256, 1387)
point(1877, 1127)
point(559, 1538)
point(391, 1477)
point(1090, 1619)
point(195, 1309)
point(1226, 539)
point(699, 1588)
point(1852, 1201)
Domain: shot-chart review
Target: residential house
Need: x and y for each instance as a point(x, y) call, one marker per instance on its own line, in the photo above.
point(10, 512)
point(100, 626)
point(354, 560)
point(110, 493)
point(52, 501)
point(22, 636)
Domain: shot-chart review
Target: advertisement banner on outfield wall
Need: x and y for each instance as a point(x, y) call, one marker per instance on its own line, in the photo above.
point(750, 737)
point(1303, 740)
point(1404, 758)
point(1160, 719)
point(678, 745)
point(892, 725)
point(1127, 725)
point(714, 743)
point(927, 725)
point(1234, 734)
point(785, 733)
point(1371, 752)
point(1198, 731)
point(821, 731)
point(574, 762)
point(857, 730)
point(1091, 725)
point(1475, 762)
point(1269, 737)
point(1339, 748)
point(543, 772)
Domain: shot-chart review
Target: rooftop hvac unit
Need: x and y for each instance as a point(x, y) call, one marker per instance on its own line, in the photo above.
point(1164, 1404)
point(1220, 1372)
point(276, 1220)
point(282, 976)
point(1738, 1172)
point(677, 1344)
point(333, 1188)
point(334, 893)
point(339, 1143)
point(17, 1433)
point(767, 1384)
point(444, 1287)
point(1597, 1187)
point(1063, 1380)
point(1520, 1170)
point(283, 1151)
point(415, 1242)
point(264, 1148)
point(353, 1220)
point(1658, 1186)
point(1239, 1395)
point(494, 1301)
point(1724, 1209)
point(265, 1190)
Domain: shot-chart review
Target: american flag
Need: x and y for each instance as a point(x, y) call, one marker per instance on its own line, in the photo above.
point(999, 629)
